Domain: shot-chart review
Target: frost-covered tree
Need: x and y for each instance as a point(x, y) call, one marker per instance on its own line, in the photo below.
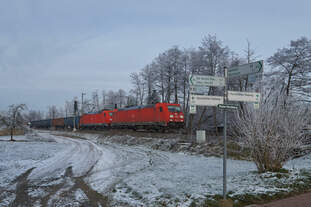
point(272, 132)
point(293, 66)
point(13, 118)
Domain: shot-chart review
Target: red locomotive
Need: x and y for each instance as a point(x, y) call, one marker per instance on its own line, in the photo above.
point(96, 120)
point(154, 116)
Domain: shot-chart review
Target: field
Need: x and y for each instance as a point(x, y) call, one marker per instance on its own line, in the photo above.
point(56, 169)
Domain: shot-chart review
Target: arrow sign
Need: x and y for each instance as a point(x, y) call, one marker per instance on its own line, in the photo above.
point(205, 80)
point(243, 96)
point(201, 100)
point(251, 68)
point(228, 106)
point(199, 89)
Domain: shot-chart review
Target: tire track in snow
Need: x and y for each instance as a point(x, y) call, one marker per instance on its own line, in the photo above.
point(80, 154)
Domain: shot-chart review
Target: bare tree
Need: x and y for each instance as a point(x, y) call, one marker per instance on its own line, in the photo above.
point(153, 98)
point(139, 86)
point(95, 100)
point(33, 115)
point(214, 56)
point(271, 133)
point(131, 100)
point(13, 118)
point(121, 95)
point(69, 108)
point(147, 74)
point(52, 112)
point(104, 100)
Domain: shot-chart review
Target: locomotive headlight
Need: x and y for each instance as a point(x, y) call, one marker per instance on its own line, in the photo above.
point(181, 116)
point(171, 116)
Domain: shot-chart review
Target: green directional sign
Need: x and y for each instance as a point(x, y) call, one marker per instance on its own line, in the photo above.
point(241, 70)
point(228, 106)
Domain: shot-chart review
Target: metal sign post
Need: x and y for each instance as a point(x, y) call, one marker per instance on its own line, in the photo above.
point(225, 137)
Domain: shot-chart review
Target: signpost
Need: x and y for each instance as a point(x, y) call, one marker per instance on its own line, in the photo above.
point(243, 96)
point(200, 84)
point(228, 106)
point(206, 100)
point(205, 80)
point(251, 68)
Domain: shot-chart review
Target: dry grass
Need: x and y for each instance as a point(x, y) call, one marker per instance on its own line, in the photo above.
point(6, 132)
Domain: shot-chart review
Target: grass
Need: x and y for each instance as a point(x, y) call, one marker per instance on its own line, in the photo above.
point(235, 151)
point(299, 186)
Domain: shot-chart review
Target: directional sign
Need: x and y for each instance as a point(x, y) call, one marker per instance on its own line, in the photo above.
point(243, 96)
point(228, 106)
point(252, 78)
point(205, 80)
point(199, 89)
point(251, 68)
point(206, 100)
point(193, 109)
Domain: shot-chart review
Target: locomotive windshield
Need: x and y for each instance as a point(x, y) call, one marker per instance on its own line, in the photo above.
point(173, 108)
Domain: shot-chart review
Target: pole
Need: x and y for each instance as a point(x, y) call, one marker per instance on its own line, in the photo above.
point(82, 107)
point(74, 115)
point(225, 137)
point(191, 124)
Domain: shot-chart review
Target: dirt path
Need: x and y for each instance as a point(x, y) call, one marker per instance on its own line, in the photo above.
point(303, 200)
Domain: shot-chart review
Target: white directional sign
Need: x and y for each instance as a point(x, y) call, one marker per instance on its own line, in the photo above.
point(206, 100)
point(243, 96)
point(205, 80)
point(199, 89)
point(228, 106)
point(251, 68)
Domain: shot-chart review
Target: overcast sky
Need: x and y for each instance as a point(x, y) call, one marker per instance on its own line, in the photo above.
point(52, 50)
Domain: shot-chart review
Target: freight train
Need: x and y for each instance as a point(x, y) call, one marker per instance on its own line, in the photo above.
point(158, 116)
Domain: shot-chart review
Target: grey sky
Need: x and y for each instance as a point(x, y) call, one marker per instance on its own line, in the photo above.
point(51, 51)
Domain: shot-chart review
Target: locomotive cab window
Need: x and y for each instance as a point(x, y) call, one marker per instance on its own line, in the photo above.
point(104, 114)
point(173, 108)
point(161, 109)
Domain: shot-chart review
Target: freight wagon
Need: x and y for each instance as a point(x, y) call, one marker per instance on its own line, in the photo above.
point(47, 123)
point(58, 123)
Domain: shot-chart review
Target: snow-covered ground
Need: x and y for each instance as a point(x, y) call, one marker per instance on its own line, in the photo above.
point(55, 170)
